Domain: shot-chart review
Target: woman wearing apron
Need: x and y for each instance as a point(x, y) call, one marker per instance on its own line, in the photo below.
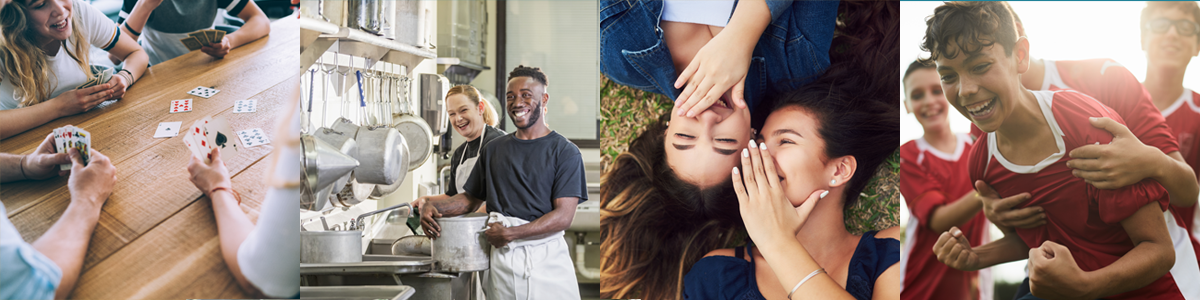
point(472, 117)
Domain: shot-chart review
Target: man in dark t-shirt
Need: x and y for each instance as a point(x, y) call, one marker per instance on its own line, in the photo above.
point(531, 180)
point(159, 25)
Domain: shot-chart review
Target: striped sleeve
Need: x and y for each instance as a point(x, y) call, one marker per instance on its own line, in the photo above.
point(100, 31)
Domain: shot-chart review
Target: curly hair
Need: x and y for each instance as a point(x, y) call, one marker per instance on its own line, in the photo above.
point(531, 72)
point(970, 25)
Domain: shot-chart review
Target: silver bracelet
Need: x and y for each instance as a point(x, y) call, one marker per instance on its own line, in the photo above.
point(806, 278)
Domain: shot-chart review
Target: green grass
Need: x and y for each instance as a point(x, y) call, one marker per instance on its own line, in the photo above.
point(625, 111)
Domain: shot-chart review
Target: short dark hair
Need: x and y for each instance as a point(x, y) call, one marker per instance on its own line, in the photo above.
point(970, 25)
point(531, 72)
point(917, 65)
point(1189, 7)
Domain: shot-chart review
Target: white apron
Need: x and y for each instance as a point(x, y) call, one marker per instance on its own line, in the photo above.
point(161, 46)
point(538, 269)
point(466, 165)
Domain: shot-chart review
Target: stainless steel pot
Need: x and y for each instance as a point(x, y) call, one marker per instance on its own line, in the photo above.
point(323, 165)
point(354, 193)
point(413, 244)
point(380, 161)
point(433, 102)
point(401, 147)
point(418, 136)
point(345, 143)
point(331, 246)
point(462, 247)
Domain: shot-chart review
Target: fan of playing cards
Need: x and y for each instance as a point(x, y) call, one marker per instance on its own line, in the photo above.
point(67, 137)
point(103, 77)
point(202, 38)
point(209, 133)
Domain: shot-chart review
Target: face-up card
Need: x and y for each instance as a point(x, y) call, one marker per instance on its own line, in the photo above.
point(181, 105)
point(205, 92)
point(196, 139)
point(245, 106)
point(253, 137)
point(167, 129)
point(191, 43)
point(221, 135)
point(200, 37)
point(73, 137)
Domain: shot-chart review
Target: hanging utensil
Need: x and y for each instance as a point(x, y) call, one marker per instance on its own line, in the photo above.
point(322, 165)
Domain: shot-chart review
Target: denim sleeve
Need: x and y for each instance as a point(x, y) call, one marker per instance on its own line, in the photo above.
point(24, 272)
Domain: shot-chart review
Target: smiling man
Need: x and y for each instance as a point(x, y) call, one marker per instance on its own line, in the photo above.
point(531, 180)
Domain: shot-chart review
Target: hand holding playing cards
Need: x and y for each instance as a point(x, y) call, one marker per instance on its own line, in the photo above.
point(91, 184)
point(119, 85)
point(43, 162)
point(76, 101)
point(218, 50)
point(208, 177)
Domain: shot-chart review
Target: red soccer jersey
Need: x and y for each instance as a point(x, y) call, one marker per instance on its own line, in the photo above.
point(929, 179)
point(1183, 116)
point(1115, 87)
point(1079, 216)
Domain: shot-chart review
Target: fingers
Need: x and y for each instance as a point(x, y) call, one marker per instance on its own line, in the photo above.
point(216, 156)
point(748, 175)
point(711, 97)
point(76, 158)
point(768, 165)
point(1026, 218)
point(985, 190)
point(692, 100)
point(1111, 126)
point(687, 73)
point(47, 145)
point(194, 164)
point(757, 161)
point(1011, 202)
point(1087, 152)
point(738, 188)
point(738, 93)
point(1086, 164)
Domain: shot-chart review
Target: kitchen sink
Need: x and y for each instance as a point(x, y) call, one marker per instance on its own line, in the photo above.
point(368, 292)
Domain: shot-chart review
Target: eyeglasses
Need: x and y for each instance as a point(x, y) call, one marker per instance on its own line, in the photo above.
point(1183, 27)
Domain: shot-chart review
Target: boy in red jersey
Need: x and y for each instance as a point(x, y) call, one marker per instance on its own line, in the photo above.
point(1096, 243)
point(939, 195)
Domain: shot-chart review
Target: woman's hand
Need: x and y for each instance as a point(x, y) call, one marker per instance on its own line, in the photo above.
point(119, 84)
point(767, 213)
point(720, 65)
point(208, 177)
point(80, 100)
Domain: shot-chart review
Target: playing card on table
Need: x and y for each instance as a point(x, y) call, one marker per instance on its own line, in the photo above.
point(205, 92)
point(191, 43)
point(253, 137)
point(245, 106)
point(221, 135)
point(181, 105)
point(167, 129)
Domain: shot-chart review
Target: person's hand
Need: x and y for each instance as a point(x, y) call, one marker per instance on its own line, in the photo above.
point(1000, 211)
point(953, 249)
point(43, 162)
point(432, 229)
point(1122, 162)
point(119, 84)
point(496, 235)
point(80, 100)
point(720, 65)
point(1053, 273)
point(92, 184)
point(218, 50)
point(208, 177)
point(766, 212)
point(420, 201)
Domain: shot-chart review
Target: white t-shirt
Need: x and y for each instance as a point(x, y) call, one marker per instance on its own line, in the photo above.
point(65, 73)
point(709, 12)
point(276, 273)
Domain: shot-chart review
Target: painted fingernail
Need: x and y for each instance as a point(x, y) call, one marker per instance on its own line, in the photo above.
point(745, 152)
point(753, 144)
point(762, 146)
point(735, 171)
point(823, 194)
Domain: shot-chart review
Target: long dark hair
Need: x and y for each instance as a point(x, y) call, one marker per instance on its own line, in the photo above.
point(656, 225)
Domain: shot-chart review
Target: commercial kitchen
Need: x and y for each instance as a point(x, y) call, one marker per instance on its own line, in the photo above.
point(375, 135)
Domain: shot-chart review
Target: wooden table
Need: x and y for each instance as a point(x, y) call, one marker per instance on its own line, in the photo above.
point(157, 236)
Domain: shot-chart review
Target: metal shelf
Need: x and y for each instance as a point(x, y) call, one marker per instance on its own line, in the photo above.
point(318, 36)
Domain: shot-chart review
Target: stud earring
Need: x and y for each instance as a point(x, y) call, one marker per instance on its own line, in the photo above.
point(832, 182)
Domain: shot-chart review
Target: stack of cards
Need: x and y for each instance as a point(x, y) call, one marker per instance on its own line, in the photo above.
point(67, 137)
point(205, 92)
point(202, 38)
point(102, 78)
point(209, 133)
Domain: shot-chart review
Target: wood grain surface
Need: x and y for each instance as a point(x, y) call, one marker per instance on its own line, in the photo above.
point(157, 236)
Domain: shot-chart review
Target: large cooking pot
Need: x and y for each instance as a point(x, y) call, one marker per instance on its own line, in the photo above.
point(345, 143)
point(401, 147)
point(322, 166)
point(331, 246)
point(380, 161)
point(462, 246)
point(354, 193)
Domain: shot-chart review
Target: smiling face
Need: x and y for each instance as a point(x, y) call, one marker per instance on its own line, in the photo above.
point(925, 100)
point(791, 136)
point(50, 19)
point(703, 149)
point(525, 99)
point(983, 86)
point(1170, 49)
point(465, 116)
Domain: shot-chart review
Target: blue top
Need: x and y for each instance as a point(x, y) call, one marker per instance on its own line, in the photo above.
point(24, 272)
point(726, 277)
point(793, 49)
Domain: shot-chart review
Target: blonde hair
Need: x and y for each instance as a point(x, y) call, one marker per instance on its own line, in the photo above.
point(489, 113)
point(25, 63)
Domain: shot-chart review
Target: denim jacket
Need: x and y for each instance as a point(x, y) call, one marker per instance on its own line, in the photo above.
point(793, 49)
